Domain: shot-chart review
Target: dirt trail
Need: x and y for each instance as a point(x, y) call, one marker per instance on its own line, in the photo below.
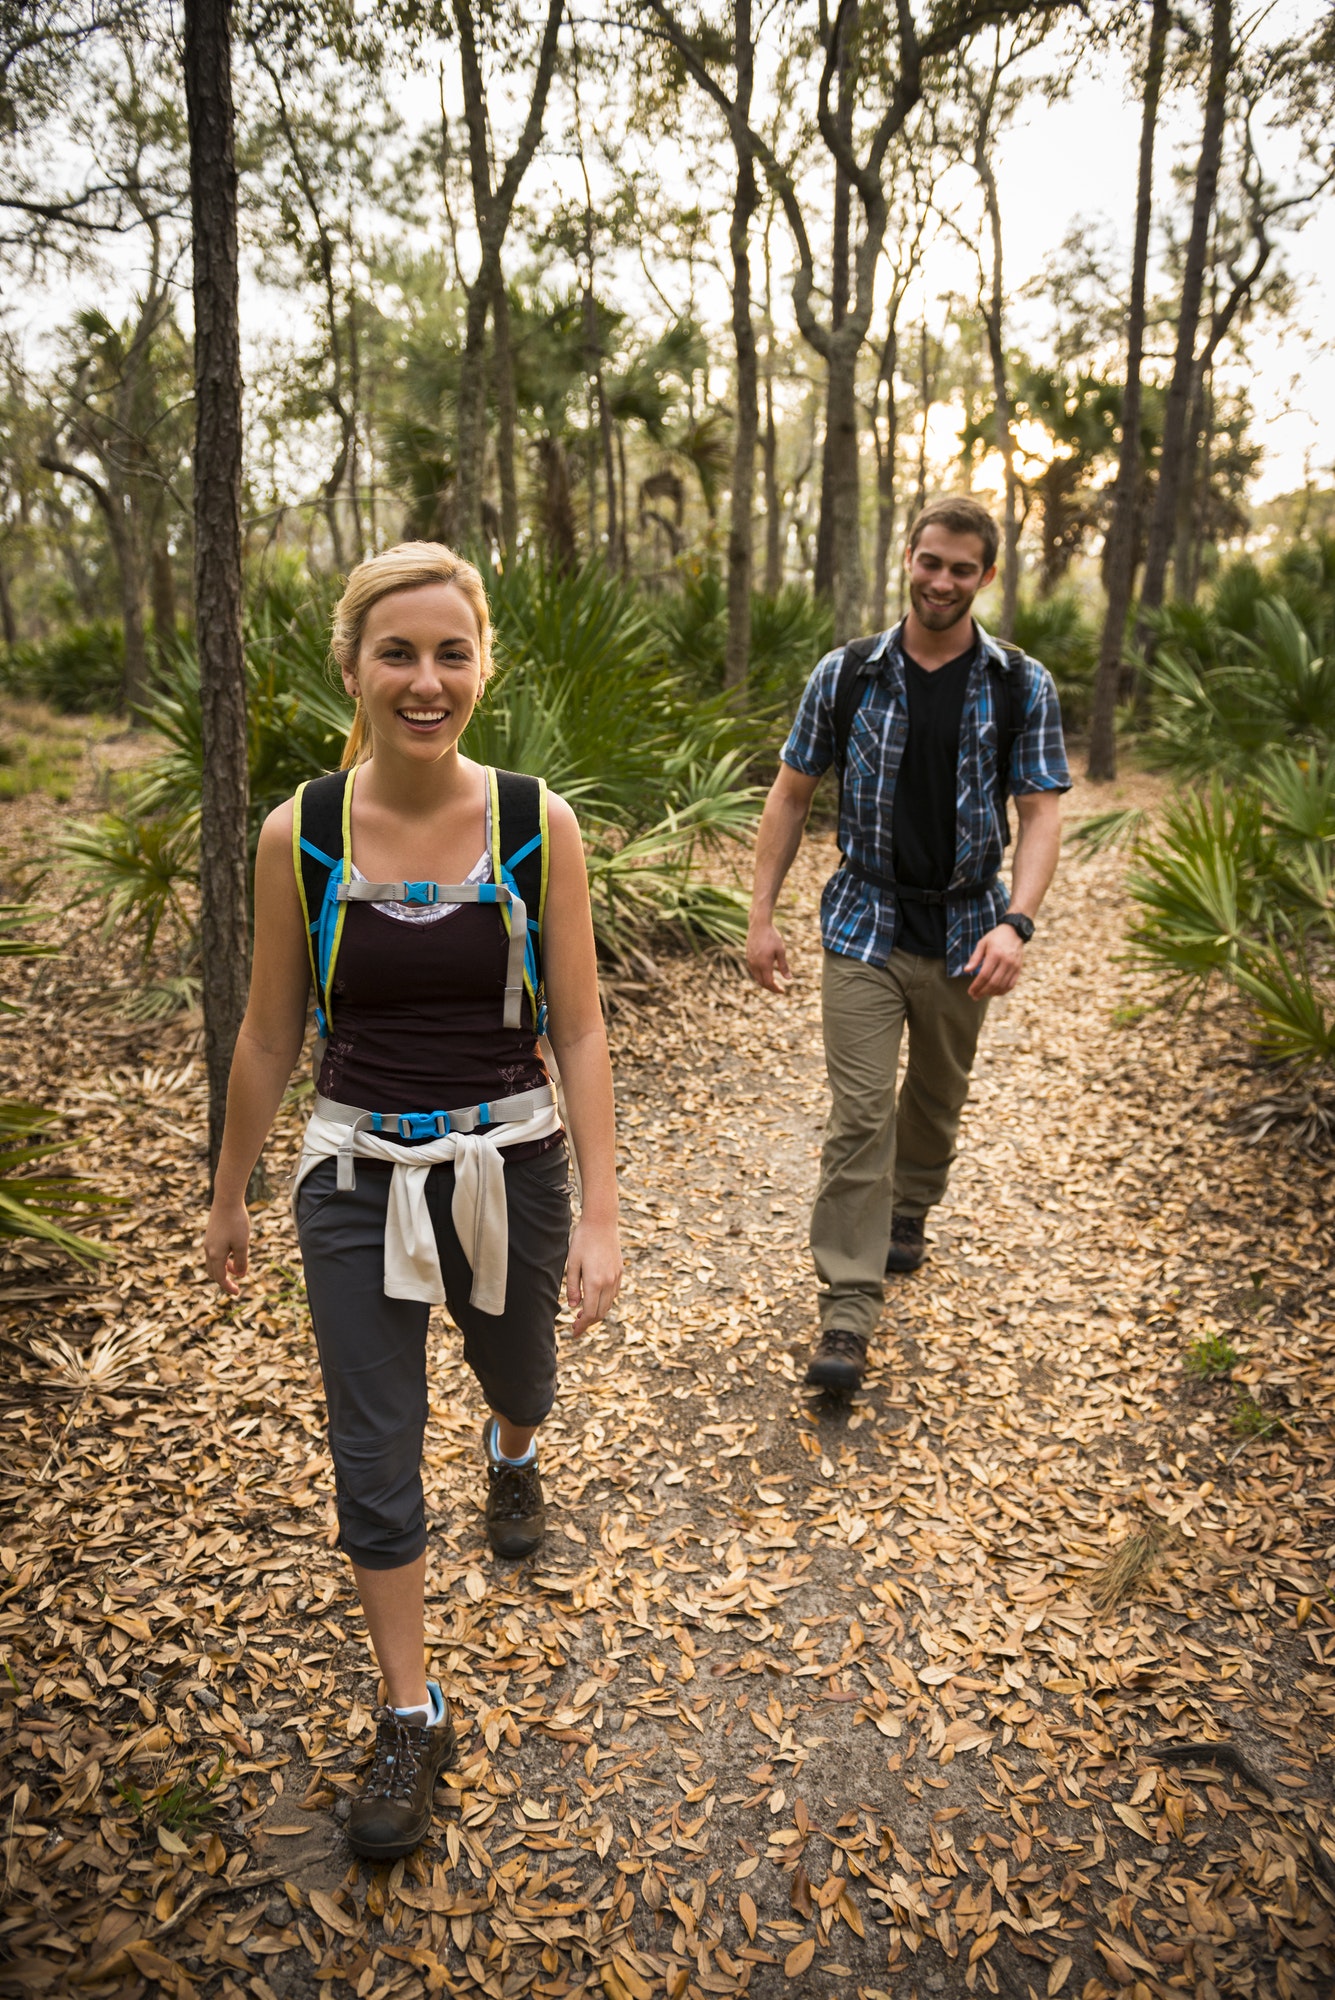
point(798, 1697)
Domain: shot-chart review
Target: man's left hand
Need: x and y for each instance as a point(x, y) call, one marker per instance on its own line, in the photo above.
point(996, 964)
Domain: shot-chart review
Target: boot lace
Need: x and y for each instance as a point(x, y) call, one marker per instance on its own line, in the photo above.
point(841, 1340)
point(397, 1762)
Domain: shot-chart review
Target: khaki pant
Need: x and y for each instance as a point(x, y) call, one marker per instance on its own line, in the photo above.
point(880, 1157)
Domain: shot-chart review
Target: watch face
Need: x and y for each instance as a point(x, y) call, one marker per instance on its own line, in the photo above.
point(1024, 925)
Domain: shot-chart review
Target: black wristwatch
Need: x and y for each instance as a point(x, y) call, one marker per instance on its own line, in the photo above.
point(1022, 926)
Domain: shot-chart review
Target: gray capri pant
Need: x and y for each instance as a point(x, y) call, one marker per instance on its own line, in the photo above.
point(373, 1349)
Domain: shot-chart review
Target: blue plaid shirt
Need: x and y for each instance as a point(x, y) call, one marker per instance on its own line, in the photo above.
point(859, 920)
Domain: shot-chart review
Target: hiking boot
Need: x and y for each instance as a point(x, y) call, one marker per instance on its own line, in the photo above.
point(908, 1246)
point(393, 1813)
point(516, 1510)
point(839, 1361)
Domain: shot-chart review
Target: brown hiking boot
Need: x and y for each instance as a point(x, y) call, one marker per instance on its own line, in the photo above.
point(908, 1245)
point(516, 1511)
point(393, 1813)
point(838, 1361)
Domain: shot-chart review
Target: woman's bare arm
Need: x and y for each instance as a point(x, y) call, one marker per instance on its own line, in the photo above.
point(267, 1047)
point(570, 972)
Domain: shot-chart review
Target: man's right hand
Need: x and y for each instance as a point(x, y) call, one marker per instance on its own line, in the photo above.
point(766, 959)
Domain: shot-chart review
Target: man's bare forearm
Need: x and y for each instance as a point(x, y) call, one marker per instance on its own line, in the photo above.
point(1037, 850)
point(782, 825)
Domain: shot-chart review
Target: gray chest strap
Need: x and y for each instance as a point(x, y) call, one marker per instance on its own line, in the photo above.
point(427, 893)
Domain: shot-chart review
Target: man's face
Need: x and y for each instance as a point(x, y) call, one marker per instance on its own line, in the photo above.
point(945, 575)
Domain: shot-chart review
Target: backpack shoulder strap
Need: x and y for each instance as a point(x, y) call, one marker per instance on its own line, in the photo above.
point(849, 689)
point(1009, 678)
point(519, 859)
point(321, 859)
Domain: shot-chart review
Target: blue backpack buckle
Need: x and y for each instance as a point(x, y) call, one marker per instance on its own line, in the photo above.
point(424, 1124)
point(419, 892)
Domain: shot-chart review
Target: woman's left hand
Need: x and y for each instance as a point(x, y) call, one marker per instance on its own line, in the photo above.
point(593, 1272)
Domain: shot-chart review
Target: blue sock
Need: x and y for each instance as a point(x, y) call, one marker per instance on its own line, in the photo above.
point(429, 1712)
point(497, 1453)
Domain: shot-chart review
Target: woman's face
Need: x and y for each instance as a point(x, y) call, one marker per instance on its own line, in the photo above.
point(419, 670)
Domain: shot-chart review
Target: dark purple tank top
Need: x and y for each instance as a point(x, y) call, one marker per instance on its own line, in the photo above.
point(417, 1017)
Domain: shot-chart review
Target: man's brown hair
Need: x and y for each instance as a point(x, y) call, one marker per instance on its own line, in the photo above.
point(963, 515)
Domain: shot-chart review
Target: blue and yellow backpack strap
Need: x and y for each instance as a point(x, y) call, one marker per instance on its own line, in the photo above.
point(519, 860)
point(322, 859)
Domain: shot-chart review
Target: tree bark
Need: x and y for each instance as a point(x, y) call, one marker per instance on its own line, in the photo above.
point(9, 630)
point(993, 319)
point(770, 453)
point(1120, 560)
point(886, 450)
point(130, 558)
point(493, 208)
point(225, 794)
point(835, 394)
point(746, 200)
point(1177, 405)
point(507, 417)
point(161, 586)
point(841, 453)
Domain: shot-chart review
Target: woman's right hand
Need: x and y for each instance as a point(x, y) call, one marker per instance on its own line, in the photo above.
point(227, 1245)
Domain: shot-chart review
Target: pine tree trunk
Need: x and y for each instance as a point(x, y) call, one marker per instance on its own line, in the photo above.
point(996, 348)
point(134, 677)
point(773, 504)
point(161, 588)
point(740, 516)
point(507, 419)
point(770, 455)
point(224, 799)
point(9, 630)
point(886, 450)
point(471, 440)
point(1177, 405)
point(836, 398)
point(1120, 557)
point(841, 454)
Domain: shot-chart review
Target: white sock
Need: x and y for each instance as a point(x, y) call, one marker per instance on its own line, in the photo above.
point(526, 1459)
point(426, 1712)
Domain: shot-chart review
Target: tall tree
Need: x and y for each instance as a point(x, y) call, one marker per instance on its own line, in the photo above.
point(224, 797)
point(1120, 556)
point(493, 208)
point(1177, 404)
point(745, 201)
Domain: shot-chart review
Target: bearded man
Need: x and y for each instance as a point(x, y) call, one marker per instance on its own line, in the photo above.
point(931, 726)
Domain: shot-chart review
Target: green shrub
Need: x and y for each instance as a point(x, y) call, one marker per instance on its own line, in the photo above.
point(1240, 884)
point(790, 632)
point(585, 698)
point(79, 672)
point(1222, 696)
point(1056, 631)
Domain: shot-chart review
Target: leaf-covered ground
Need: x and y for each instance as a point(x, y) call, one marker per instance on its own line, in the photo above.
point(1010, 1677)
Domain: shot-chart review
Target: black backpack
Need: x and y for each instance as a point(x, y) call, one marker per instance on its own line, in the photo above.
point(852, 685)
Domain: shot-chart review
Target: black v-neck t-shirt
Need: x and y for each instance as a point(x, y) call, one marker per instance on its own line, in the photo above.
point(923, 815)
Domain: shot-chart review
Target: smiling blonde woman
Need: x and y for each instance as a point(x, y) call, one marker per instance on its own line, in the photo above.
point(437, 909)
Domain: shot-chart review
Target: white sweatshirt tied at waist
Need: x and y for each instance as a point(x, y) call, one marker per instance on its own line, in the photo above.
point(474, 1146)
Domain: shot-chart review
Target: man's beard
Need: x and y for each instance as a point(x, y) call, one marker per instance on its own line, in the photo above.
point(939, 617)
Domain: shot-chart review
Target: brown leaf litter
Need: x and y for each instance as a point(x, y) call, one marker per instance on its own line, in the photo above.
point(797, 1698)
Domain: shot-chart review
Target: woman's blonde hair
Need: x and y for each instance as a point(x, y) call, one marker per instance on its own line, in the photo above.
point(408, 566)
